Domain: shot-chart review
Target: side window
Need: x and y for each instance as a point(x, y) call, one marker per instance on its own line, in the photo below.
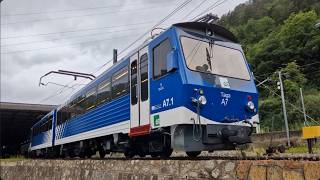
point(144, 76)
point(50, 123)
point(43, 127)
point(79, 104)
point(133, 72)
point(120, 82)
point(65, 114)
point(72, 111)
point(160, 53)
point(82, 104)
point(104, 91)
point(90, 99)
point(59, 117)
point(35, 130)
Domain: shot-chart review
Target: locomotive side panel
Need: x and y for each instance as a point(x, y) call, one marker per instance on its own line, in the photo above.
point(106, 119)
point(41, 133)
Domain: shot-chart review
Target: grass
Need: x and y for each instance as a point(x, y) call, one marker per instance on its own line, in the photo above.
point(304, 149)
point(12, 159)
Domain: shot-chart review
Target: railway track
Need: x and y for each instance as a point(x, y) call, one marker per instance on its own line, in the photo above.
point(203, 158)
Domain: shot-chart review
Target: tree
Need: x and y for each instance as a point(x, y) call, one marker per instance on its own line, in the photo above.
point(280, 35)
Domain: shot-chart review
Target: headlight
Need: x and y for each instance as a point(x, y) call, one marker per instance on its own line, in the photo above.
point(202, 100)
point(250, 106)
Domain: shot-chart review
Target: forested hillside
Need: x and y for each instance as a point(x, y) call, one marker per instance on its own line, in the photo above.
point(281, 35)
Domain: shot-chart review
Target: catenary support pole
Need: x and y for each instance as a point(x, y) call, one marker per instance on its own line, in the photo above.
point(284, 108)
point(303, 108)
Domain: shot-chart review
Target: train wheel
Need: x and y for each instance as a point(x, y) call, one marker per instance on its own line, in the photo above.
point(71, 154)
point(142, 155)
point(129, 154)
point(82, 155)
point(102, 153)
point(154, 155)
point(193, 154)
point(167, 153)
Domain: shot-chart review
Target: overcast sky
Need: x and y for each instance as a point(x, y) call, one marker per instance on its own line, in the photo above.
point(38, 36)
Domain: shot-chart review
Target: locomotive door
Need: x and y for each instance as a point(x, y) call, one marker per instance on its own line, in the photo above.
point(139, 94)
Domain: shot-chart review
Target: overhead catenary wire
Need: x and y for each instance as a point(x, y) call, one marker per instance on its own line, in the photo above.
point(70, 37)
point(190, 12)
point(78, 30)
point(68, 45)
point(302, 66)
point(85, 15)
point(298, 109)
point(156, 25)
point(214, 5)
point(70, 10)
point(140, 37)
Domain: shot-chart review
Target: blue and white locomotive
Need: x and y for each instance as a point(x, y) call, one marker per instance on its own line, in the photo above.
point(189, 88)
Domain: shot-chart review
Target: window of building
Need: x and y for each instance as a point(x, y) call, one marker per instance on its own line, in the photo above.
point(134, 92)
point(120, 82)
point(104, 91)
point(160, 53)
point(144, 76)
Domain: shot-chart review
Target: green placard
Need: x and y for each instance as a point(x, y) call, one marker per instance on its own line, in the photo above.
point(156, 120)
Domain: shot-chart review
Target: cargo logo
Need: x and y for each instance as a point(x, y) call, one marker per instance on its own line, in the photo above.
point(156, 120)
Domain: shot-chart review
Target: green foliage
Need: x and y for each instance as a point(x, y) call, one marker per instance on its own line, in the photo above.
point(312, 104)
point(292, 79)
point(254, 30)
point(296, 40)
point(281, 35)
point(270, 110)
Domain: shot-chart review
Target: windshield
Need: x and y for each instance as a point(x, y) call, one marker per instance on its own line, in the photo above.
point(215, 59)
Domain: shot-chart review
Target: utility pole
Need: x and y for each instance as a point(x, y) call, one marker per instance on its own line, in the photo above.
point(284, 108)
point(303, 108)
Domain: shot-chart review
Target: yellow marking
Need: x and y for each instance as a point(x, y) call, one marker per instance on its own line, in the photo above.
point(310, 132)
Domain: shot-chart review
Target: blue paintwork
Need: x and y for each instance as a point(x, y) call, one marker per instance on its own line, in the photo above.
point(185, 81)
point(178, 85)
point(107, 114)
point(43, 137)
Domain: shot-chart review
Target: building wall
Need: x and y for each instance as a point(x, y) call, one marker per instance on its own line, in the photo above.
point(159, 169)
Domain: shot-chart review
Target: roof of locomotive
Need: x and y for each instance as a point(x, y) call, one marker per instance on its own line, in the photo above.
point(202, 26)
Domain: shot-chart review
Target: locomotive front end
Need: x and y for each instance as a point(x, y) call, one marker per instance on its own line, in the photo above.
point(219, 90)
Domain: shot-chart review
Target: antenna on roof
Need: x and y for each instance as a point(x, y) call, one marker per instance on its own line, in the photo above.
point(115, 56)
point(208, 18)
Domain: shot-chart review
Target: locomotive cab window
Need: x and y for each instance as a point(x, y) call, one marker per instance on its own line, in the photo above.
point(160, 53)
point(209, 57)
